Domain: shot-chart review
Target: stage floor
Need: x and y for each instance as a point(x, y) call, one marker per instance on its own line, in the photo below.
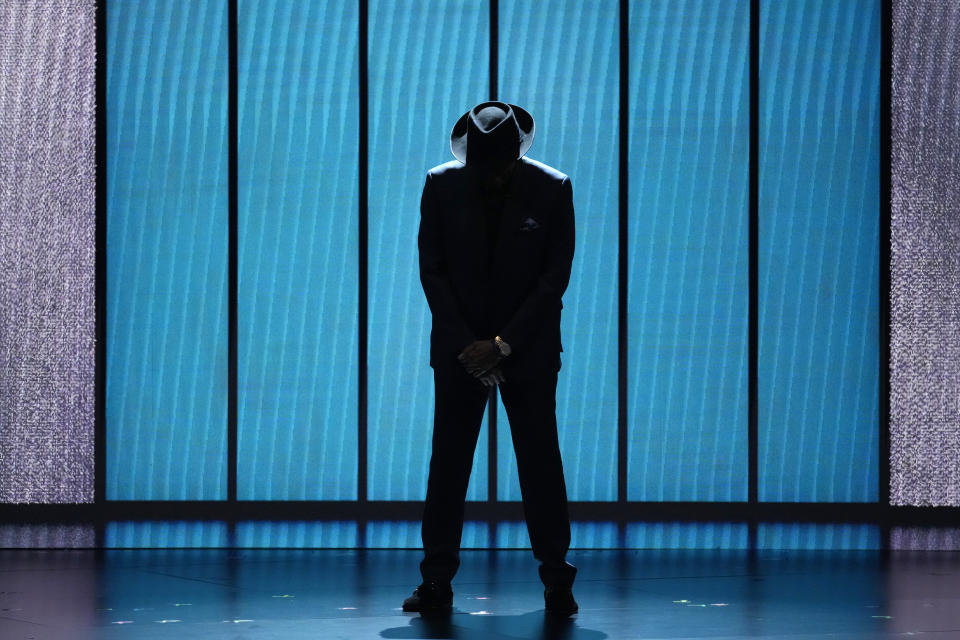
point(326, 594)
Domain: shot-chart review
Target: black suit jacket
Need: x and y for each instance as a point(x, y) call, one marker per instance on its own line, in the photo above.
point(517, 293)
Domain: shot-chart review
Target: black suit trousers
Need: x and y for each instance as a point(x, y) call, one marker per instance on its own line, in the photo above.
point(531, 408)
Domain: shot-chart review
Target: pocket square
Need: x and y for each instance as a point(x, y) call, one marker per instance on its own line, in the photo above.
point(529, 225)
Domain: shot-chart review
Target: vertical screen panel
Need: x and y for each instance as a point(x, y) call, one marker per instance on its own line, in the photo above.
point(688, 250)
point(47, 251)
point(925, 257)
point(166, 395)
point(428, 64)
point(559, 62)
point(818, 250)
point(298, 290)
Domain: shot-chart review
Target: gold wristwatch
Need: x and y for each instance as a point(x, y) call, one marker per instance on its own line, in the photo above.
point(504, 348)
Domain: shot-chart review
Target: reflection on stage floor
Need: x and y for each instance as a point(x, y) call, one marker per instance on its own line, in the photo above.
point(343, 593)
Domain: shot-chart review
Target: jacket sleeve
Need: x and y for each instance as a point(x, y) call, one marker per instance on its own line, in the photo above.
point(434, 275)
point(554, 277)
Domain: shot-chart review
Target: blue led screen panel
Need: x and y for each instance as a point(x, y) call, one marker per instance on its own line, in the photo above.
point(166, 342)
point(177, 534)
point(559, 61)
point(428, 65)
point(686, 535)
point(806, 535)
point(298, 294)
point(687, 304)
point(818, 250)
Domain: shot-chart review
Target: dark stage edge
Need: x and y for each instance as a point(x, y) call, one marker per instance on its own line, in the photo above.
point(292, 594)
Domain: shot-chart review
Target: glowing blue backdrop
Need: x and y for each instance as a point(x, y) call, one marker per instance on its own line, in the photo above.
point(297, 264)
point(299, 239)
point(688, 250)
point(560, 63)
point(418, 88)
point(166, 396)
point(819, 250)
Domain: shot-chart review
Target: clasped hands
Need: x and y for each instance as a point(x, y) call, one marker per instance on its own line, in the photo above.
point(481, 359)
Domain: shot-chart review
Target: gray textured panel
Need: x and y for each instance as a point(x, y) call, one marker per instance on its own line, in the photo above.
point(925, 262)
point(47, 536)
point(925, 538)
point(47, 250)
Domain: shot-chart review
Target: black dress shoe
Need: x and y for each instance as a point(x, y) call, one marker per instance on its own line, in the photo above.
point(559, 601)
point(430, 597)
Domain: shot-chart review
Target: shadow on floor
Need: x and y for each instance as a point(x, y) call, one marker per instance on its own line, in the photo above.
point(465, 626)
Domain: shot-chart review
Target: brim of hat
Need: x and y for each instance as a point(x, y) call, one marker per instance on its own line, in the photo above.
point(458, 137)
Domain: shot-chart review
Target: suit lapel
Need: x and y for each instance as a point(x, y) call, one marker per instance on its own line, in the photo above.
point(513, 211)
point(474, 223)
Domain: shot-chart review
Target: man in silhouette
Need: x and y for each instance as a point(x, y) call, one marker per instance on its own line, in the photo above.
point(496, 246)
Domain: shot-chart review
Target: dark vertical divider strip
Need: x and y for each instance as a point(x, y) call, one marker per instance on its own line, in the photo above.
point(362, 261)
point(492, 446)
point(100, 291)
point(754, 218)
point(232, 255)
point(492, 404)
point(622, 266)
point(494, 37)
point(886, 66)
